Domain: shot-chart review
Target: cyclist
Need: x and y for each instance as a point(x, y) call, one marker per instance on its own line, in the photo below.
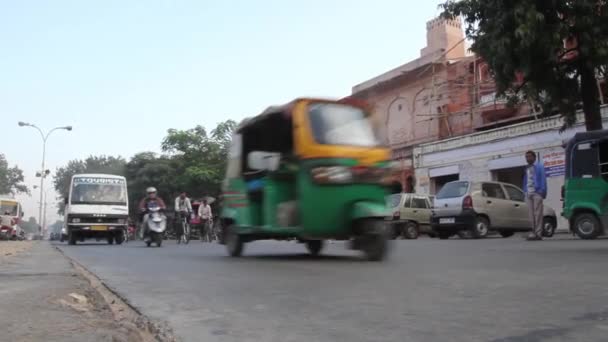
point(204, 212)
point(183, 209)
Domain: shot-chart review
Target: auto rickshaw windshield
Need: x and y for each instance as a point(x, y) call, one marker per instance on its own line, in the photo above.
point(341, 124)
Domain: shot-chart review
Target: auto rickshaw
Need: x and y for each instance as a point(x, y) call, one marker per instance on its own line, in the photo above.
point(585, 190)
point(311, 170)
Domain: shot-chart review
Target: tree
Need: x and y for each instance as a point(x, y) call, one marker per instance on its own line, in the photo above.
point(93, 164)
point(11, 178)
point(30, 226)
point(560, 48)
point(146, 169)
point(200, 158)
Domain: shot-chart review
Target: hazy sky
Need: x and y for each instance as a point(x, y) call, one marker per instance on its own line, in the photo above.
point(123, 72)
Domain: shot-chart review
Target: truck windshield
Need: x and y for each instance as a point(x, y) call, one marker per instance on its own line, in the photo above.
point(340, 124)
point(97, 190)
point(9, 208)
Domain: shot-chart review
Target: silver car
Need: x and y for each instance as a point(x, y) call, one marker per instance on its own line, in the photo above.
point(473, 209)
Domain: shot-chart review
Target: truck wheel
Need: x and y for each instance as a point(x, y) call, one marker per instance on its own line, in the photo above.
point(110, 240)
point(586, 226)
point(72, 238)
point(119, 238)
point(234, 242)
point(410, 231)
point(314, 247)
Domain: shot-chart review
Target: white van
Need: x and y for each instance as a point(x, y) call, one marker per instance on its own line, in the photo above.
point(97, 207)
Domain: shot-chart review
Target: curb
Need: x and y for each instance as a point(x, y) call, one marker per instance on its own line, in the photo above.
point(123, 312)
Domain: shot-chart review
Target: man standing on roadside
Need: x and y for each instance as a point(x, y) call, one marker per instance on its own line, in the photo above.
point(535, 186)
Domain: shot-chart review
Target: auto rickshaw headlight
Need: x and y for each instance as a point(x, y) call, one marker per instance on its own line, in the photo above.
point(332, 174)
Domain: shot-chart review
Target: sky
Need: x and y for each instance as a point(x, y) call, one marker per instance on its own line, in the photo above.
point(122, 72)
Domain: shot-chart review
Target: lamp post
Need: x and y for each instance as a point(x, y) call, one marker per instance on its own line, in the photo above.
point(46, 198)
point(43, 173)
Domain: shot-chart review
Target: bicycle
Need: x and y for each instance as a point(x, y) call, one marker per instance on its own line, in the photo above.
point(185, 233)
point(207, 234)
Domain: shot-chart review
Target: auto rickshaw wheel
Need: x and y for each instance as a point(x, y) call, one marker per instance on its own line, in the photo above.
point(234, 242)
point(314, 247)
point(587, 226)
point(373, 240)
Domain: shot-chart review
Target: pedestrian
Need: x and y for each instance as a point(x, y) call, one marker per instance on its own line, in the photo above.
point(535, 186)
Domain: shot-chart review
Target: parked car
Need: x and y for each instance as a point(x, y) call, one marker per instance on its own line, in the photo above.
point(411, 215)
point(473, 209)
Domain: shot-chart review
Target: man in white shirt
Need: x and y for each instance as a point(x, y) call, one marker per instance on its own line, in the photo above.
point(204, 212)
point(183, 204)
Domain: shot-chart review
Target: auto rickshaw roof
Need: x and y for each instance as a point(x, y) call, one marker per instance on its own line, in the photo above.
point(587, 136)
point(286, 109)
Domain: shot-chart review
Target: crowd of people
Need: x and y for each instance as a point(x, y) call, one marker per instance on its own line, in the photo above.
point(183, 209)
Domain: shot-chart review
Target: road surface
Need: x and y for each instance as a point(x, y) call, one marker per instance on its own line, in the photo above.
point(503, 290)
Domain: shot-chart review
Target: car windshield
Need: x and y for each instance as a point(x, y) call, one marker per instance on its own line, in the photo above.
point(340, 124)
point(9, 208)
point(392, 201)
point(453, 189)
point(97, 190)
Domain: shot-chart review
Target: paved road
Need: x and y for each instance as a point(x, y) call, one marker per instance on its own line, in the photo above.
point(503, 290)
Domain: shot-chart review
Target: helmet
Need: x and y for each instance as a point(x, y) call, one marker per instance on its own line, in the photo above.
point(150, 190)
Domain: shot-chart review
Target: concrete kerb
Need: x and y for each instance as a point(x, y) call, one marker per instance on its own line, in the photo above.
point(123, 312)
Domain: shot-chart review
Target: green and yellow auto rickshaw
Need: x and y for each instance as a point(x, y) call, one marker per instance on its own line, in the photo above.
point(585, 191)
point(310, 170)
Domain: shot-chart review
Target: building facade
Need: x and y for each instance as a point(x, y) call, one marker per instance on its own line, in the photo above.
point(499, 155)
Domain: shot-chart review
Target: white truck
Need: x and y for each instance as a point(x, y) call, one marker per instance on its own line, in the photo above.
point(97, 208)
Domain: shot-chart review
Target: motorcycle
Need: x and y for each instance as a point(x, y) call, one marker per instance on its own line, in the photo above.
point(157, 224)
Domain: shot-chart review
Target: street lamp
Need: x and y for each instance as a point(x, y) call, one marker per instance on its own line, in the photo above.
point(43, 172)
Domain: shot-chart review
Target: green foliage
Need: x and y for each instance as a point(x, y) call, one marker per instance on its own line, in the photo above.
point(527, 37)
point(11, 178)
point(30, 226)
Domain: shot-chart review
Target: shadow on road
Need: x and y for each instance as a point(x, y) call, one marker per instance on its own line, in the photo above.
point(303, 257)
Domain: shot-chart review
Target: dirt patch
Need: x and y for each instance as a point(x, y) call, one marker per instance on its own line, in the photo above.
point(12, 248)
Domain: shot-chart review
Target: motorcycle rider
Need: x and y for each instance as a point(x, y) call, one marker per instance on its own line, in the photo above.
point(151, 197)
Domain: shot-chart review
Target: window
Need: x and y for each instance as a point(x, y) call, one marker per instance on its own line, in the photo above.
point(515, 194)
point(453, 189)
point(585, 161)
point(392, 201)
point(419, 203)
point(408, 202)
point(338, 124)
point(603, 147)
point(492, 190)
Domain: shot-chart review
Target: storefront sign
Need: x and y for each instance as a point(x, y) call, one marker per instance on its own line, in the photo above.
point(554, 163)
